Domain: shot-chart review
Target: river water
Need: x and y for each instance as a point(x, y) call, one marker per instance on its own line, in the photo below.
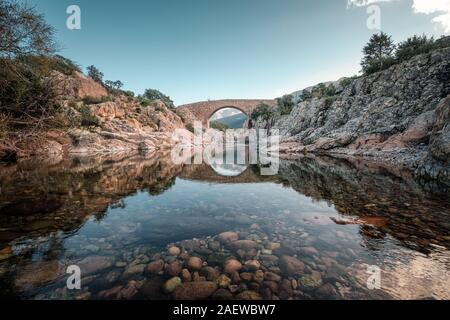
point(320, 229)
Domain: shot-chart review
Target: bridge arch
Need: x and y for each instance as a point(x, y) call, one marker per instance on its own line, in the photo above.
point(202, 111)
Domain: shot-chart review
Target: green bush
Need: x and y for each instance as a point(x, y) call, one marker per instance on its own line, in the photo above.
point(152, 94)
point(262, 111)
point(413, 46)
point(160, 109)
point(306, 95)
point(50, 63)
point(72, 104)
point(218, 126)
point(190, 127)
point(285, 104)
point(320, 91)
point(329, 101)
point(416, 45)
point(144, 102)
point(26, 89)
point(64, 65)
point(348, 81)
point(87, 118)
point(380, 52)
point(95, 100)
point(378, 64)
point(128, 93)
point(95, 74)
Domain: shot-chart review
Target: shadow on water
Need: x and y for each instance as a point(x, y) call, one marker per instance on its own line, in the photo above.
point(106, 212)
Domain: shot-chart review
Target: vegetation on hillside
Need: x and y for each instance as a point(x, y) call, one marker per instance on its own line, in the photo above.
point(285, 104)
point(262, 111)
point(152, 95)
point(236, 121)
point(30, 101)
point(218, 126)
point(27, 97)
point(381, 52)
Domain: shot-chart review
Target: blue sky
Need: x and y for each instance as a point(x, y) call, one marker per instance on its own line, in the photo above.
point(196, 50)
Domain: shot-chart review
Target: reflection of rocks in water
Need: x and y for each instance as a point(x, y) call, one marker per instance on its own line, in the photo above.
point(101, 213)
point(39, 206)
point(64, 196)
point(30, 207)
point(414, 217)
point(423, 277)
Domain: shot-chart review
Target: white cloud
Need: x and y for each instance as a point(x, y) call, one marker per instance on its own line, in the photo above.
point(225, 113)
point(363, 3)
point(439, 8)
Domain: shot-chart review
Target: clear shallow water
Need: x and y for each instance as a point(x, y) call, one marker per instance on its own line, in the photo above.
point(113, 216)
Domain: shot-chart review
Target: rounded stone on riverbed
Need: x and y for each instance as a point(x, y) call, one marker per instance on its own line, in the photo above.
point(195, 263)
point(210, 273)
point(223, 281)
point(174, 268)
point(195, 290)
point(249, 295)
point(270, 276)
point(222, 294)
point(214, 245)
point(258, 276)
point(172, 284)
point(228, 236)
point(174, 251)
point(186, 275)
point(246, 276)
point(252, 265)
point(155, 267)
point(291, 265)
point(309, 283)
point(272, 246)
point(245, 245)
point(231, 266)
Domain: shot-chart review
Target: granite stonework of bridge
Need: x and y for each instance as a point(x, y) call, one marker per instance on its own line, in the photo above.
point(202, 111)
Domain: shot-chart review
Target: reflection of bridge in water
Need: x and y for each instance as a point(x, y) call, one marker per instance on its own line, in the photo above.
point(204, 172)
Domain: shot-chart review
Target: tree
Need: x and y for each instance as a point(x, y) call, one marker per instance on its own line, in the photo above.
point(413, 46)
point(26, 48)
point(262, 111)
point(95, 74)
point(24, 31)
point(113, 85)
point(378, 53)
point(152, 94)
point(218, 126)
point(285, 104)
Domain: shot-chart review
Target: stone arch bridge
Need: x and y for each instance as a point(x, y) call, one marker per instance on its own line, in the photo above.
point(202, 111)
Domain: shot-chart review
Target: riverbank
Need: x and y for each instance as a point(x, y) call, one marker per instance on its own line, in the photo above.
point(399, 116)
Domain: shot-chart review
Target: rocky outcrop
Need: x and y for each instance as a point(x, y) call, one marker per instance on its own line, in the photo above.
point(124, 125)
point(440, 137)
point(120, 124)
point(400, 115)
point(90, 119)
point(78, 86)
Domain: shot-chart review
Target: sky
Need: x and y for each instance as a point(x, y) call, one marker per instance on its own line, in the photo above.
point(195, 50)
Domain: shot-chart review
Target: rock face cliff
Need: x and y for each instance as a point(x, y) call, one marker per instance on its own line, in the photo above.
point(91, 120)
point(400, 114)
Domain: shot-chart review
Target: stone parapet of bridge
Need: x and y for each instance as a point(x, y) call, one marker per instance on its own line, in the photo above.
point(202, 111)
